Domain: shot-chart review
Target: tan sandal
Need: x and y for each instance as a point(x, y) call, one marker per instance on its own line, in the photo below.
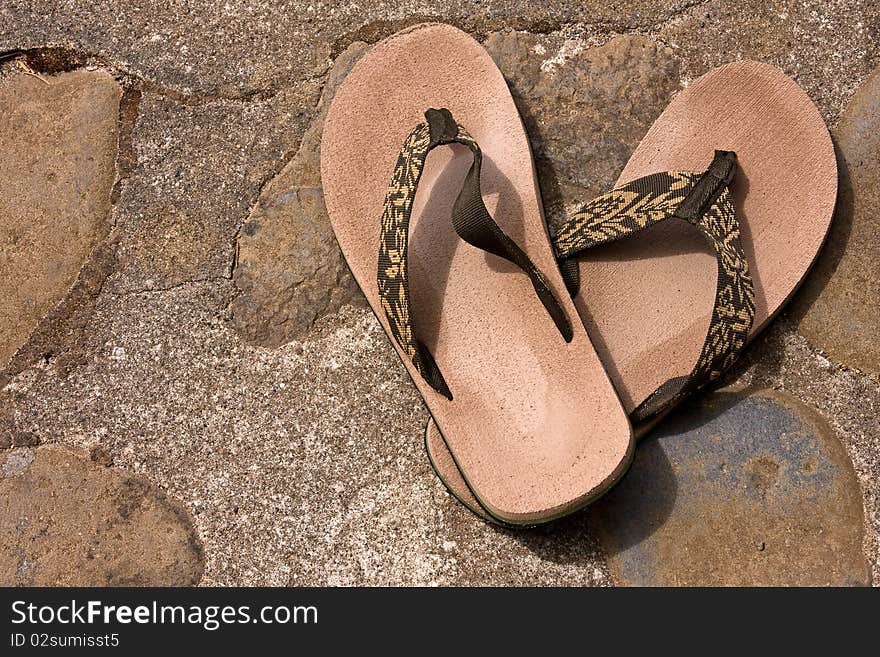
point(470, 296)
point(647, 302)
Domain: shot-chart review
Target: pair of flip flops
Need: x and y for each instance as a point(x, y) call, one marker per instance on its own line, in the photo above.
point(542, 357)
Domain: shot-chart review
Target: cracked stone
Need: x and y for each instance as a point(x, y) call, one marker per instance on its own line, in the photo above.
point(57, 150)
point(289, 269)
point(193, 173)
point(585, 108)
point(838, 305)
point(246, 47)
point(727, 473)
point(61, 338)
point(65, 521)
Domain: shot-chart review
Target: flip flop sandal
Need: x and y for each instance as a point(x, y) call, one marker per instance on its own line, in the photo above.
point(476, 307)
point(647, 302)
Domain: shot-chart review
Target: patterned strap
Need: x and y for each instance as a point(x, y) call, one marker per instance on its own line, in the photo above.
point(471, 221)
point(704, 201)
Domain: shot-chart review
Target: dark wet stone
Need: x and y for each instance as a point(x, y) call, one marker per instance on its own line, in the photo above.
point(737, 489)
point(837, 309)
point(67, 521)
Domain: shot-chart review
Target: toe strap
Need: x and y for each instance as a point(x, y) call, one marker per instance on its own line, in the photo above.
point(471, 221)
point(704, 201)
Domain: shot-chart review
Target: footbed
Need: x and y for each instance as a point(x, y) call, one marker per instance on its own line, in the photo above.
point(535, 424)
point(646, 302)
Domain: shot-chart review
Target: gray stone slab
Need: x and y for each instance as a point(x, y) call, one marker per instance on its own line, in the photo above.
point(737, 489)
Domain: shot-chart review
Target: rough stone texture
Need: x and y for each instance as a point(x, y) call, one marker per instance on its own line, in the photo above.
point(743, 490)
point(66, 521)
point(838, 308)
point(826, 46)
point(195, 173)
point(241, 48)
point(848, 400)
point(57, 154)
point(60, 337)
point(303, 463)
point(288, 266)
point(585, 109)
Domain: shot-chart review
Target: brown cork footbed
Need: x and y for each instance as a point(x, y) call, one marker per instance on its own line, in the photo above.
point(535, 424)
point(646, 302)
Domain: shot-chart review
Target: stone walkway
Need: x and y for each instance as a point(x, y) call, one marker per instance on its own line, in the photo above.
point(192, 390)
